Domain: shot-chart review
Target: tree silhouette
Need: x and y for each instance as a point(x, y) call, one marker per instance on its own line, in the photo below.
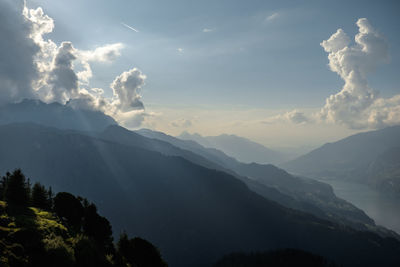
point(39, 196)
point(17, 189)
point(68, 207)
point(139, 252)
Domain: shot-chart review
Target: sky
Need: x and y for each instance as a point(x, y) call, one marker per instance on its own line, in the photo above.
point(278, 72)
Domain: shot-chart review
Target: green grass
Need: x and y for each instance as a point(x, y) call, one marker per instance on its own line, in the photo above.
point(48, 223)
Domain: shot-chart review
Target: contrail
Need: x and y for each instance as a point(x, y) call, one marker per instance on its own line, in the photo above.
point(129, 27)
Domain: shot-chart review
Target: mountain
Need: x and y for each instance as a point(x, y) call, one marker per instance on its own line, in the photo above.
point(54, 115)
point(384, 171)
point(40, 229)
point(193, 214)
point(283, 257)
point(240, 148)
point(269, 181)
point(354, 158)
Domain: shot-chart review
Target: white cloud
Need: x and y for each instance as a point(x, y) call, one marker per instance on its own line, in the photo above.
point(126, 88)
point(357, 105)
point(106, 53)
point(33, 66)
point(295, 117)
point(180, 50)
point(181, 123)
point(208, 30)
point(272, 17)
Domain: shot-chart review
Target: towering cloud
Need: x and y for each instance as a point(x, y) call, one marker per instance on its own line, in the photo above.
point(62, 78)
point(126, 88)
point(357, 105)
point(17, 52)
point(33, 66)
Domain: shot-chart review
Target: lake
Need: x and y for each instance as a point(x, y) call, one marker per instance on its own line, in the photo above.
point(383, 209)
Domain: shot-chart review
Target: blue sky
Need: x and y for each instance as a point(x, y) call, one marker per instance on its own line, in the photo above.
point(238, 58)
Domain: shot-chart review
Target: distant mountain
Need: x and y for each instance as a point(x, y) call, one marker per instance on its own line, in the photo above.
point(384, 171)
point(355, 158)
point(267, 180)
point(240, 148)
point(54, 115)
point(193, 214)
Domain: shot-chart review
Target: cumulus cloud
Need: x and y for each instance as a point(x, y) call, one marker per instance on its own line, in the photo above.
point(295, 116)
point(126, 88)
point(63, 79)
point(34, 66)
point(17, 52)
point(106, 53)
point(357, 105)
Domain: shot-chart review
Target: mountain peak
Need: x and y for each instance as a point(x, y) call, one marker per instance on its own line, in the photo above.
point(54, 115)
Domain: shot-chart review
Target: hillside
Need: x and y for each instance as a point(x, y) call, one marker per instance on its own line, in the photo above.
point(269, 181)
point(352, 158)
point(193, 214)
point(40, 229)
point(281, 258)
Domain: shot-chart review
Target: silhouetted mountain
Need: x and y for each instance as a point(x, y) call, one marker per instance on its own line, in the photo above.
point(193, 214)
point(54, 115)
point(351, 158)
point(240, 148)
point(275, 184)
point(278, 258)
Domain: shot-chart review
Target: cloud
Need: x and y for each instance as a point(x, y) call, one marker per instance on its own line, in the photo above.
point(208, 30)
point(106, 53)
point(33, 66)
point(357, 105)
point(17, 52)
point(294, 116)
point(63, 79)
point(272, 17)
point(180, 50)
point(181, 123)
point(126, 88)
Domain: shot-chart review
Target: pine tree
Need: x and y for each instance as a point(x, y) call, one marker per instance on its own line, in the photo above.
point(39, 197)
point(50, 197)
point(16, 191)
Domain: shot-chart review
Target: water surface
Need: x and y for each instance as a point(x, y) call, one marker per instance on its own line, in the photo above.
point(383, 209)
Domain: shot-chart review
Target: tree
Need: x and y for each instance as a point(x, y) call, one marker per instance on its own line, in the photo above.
point(3, 184)
point(70, 209)
point(138, 252)
point(97, 227)
point(50, 197)
point(16, 191)
point(39, 197)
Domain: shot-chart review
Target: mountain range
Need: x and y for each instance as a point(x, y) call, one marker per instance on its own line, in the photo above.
point(196, 207)
point(269, 181)
point(238, 147)
point(371, 158)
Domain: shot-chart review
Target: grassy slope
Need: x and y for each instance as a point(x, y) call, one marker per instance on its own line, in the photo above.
point(16, 225)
